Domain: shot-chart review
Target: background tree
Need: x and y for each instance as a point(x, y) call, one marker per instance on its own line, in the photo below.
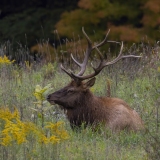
point(129, 20)
point(151, 19)
point(29, 23)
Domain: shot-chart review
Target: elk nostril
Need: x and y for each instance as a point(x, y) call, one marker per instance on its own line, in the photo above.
point(48, 97)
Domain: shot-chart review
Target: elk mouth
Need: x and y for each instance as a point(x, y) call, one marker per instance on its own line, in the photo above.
point(51, 102)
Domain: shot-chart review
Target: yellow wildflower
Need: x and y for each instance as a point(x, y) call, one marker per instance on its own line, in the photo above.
point(6, 140)
point(5, 60)
point(43, 139)
point(54, 139)
point(57, 129)
point(15, 130)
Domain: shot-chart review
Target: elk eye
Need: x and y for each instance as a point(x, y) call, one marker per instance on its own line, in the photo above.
point(71, 90)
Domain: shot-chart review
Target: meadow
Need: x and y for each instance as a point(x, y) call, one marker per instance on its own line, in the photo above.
point(32, 129)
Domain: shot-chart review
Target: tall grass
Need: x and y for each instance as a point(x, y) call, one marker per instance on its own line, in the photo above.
point(135, 81)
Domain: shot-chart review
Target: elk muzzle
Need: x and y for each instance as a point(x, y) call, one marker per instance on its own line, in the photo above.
point(50, 100)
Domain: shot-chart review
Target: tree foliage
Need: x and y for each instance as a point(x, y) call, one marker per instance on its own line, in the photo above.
point(128, 20)
point(28, 23)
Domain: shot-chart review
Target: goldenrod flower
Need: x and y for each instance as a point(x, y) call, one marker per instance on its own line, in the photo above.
point(5, 60)
point(15, 130)
point(54, 139)
point(57, 129)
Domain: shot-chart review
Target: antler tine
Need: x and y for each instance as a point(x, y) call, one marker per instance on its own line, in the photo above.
point(89, 41)
point(75, 61)
point(87, 54)
point(100, 44)
point(81, 65)
point(103, 42)
point(100, 54)
point(69, 73)
point(120, 57)
point(103, 64)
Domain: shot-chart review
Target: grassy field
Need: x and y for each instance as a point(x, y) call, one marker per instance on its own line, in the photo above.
point(135, 81)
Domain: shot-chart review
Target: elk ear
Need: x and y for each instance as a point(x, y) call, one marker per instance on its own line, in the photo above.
point(89, 83)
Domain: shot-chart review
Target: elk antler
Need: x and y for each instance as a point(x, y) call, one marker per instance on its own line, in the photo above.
point(87, 54)
point(102, 63)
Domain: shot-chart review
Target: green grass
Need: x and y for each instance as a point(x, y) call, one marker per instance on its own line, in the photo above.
point(140, 88)
point(89, 145)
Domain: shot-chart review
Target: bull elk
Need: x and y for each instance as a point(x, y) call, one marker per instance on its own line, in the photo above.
point(82, 107)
